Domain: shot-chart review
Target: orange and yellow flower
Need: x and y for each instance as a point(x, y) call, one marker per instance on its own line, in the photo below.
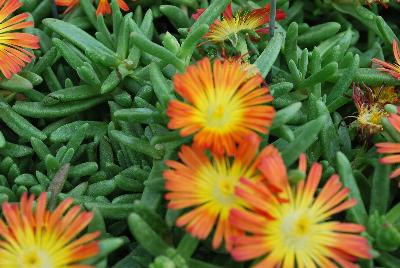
point(294, 231)
point(13, 45)
point(223, 106)
point(392, 69)
point(32, 238)
point(230, 25)
point(392, 148)
point(103, 7)
point(204, 187)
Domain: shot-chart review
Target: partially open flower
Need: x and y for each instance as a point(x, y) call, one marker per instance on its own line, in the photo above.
point(297, 231)
point(230, 25)
point(13, 45)
point(392, 69)
point(32, 238)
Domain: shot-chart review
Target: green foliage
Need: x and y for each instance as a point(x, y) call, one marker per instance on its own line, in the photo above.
point(92, 105)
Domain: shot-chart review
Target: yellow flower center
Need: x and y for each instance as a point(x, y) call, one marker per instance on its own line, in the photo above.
point(221, 115)
point(224, 191)
point(218, 117)
point(296, 229)
point(370, 118)
point(35, 258)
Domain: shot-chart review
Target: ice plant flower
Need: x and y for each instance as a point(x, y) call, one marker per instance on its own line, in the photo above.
point(204, 187)
point(102, 8)
point(392, 69)
point(13, 45)
point(230, 25)
point(296, 232)
point(32, 238)
point(370, 110)
point(223, 105)
point(391, 148)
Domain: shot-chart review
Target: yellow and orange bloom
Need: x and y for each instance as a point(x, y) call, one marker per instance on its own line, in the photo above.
point(391, 148)
point(13, 45)
point(204, 188)
point(392, 69)
point(223, 105)
point(103, 7)
point(295, 231)
point(33, 238)
point(231, 25)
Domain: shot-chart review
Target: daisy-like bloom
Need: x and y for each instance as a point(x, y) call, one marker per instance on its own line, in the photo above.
point(391, 148)
point(13, 45)
point(370, 110)
point(103, 7)
point(33, 238)
point(204, 187)
point(230, 25)
point(296, 232)
point(392, 69)
point(223, 106)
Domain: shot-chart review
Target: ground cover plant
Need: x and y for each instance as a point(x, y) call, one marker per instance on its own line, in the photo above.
point(199, 133)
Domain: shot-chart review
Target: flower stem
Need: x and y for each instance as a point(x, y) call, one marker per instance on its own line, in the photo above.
point(272, 17)
point(54, 9)
point(242, 47)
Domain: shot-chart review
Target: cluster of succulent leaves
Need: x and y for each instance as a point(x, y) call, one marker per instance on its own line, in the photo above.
point(91, 108)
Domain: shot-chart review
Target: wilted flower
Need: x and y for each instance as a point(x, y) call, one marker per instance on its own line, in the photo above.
point(370, 108)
